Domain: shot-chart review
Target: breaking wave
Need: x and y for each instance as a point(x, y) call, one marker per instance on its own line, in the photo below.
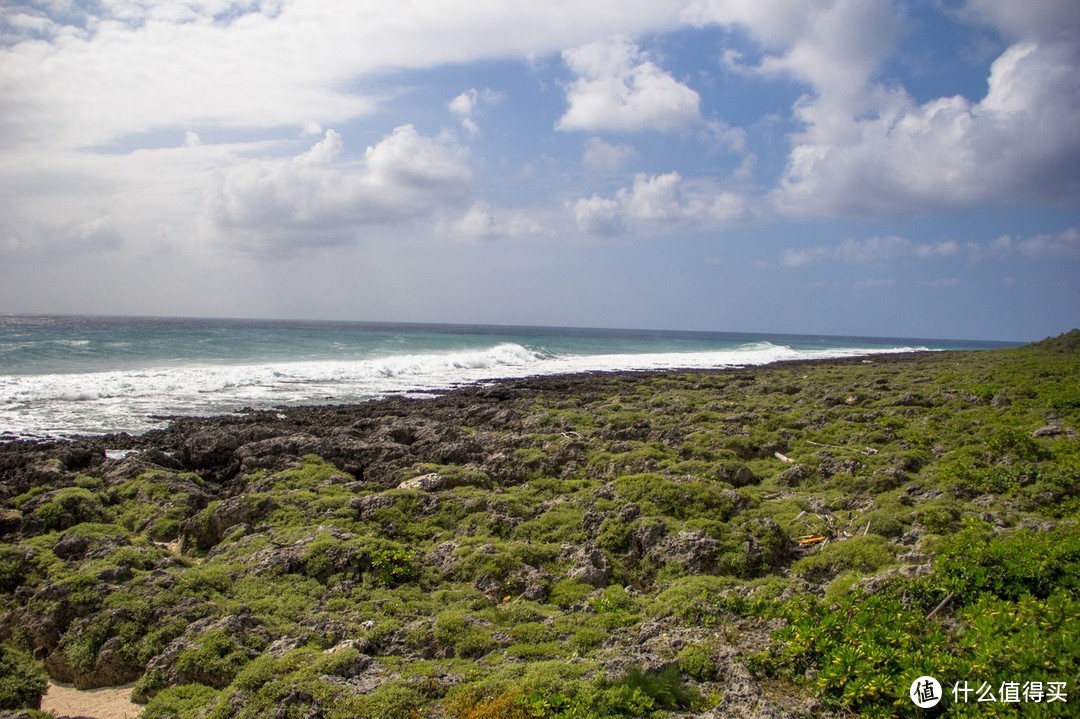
point(138, 400)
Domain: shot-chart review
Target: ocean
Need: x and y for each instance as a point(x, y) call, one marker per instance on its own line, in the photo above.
point(62, 376)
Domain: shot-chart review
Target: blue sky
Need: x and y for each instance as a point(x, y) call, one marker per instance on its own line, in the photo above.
point(857, 167)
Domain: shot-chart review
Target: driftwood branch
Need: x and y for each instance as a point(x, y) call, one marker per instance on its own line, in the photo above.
point(941, 606)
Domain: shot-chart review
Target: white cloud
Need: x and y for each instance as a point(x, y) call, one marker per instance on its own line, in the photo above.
point(467, 103)
point(45, 239)
point(1064, 245)
point(865, 147)
point(1031, 18)
point(803, 256)
point(106, 70)
point(874, 283)
point(599, 216)
point(618, 88)
point(941, 283)
point(657, 202)
point(887, 249)
point(833, 45)
point(1019, 143)
point(316, 199)
point(602, 156)
point(948, 248)
point(479, 223)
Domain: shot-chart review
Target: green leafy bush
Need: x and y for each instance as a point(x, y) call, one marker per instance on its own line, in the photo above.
point(70, 506)
point(1013, 598)
point(215, 659)
point(188, 701)
point(14, 566)
point(697, 661)
point(864, 554)
point(1010, 565)
point(22, 680)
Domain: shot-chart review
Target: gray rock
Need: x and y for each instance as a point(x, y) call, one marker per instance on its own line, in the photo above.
point(245, 631)
point(425, 482)
point(110, 668)
point(206, 530)
point(793, 476)
point(694, 550)
point(366, 506)
point(590, 566)
point(209, 448)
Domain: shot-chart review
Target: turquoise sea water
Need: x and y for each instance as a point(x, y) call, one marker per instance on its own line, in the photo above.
point(62, 375)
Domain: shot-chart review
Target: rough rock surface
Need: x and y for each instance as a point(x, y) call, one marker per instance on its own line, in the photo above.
point(444, 499)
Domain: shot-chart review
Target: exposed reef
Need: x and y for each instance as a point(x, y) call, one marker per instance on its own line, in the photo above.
point(737, 543)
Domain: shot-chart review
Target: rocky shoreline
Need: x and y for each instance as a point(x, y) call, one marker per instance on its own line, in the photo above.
point(610, 544)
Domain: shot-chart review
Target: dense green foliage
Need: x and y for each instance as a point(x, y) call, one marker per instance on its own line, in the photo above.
point(22, 681)
point(626, 542)
point(1014, 596)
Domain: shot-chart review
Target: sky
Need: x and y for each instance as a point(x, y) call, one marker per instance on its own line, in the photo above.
point(905, 168)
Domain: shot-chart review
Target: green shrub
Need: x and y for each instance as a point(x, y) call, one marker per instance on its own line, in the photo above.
point(863, 554)
point(22, 680)
point(640, 694)
point(391, 700)
point(394, 565)
point(697, 661)
point(866, 650)
point(1010, 565)
point(188, 701)
point(886, 522)
point(14, 566)
point(1015, 614)
point(215, 659)
point(700, 600)
point(70, 506)
point(565, 593)
point(752, 547)
point(939, 519)
point(1013, 445)
point(682, 500)
point(459, 631)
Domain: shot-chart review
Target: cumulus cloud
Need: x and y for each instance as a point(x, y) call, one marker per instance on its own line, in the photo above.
point(941, 283)
point(59, 240)
point(467, 103)
point(833, 45)
point(602, 156)
point(1064, 245)
point(600, 216)
point(618, 88)
point(865, 147)
point(656, 201)
point(482, 223)
point(84, 74)
point(1019, 143)
point(1032, 18)
point(315, 199)
point(874, 283)
point(889, 248)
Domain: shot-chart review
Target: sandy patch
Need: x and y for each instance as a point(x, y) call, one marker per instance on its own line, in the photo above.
point(104, 703)
point(173, 546)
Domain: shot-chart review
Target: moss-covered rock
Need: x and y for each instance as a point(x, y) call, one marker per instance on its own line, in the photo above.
point(608, 545)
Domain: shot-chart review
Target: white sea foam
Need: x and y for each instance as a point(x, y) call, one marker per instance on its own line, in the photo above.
point(134, 401)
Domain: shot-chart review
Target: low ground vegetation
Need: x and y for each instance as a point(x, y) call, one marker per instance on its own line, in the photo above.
point(803, 539)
